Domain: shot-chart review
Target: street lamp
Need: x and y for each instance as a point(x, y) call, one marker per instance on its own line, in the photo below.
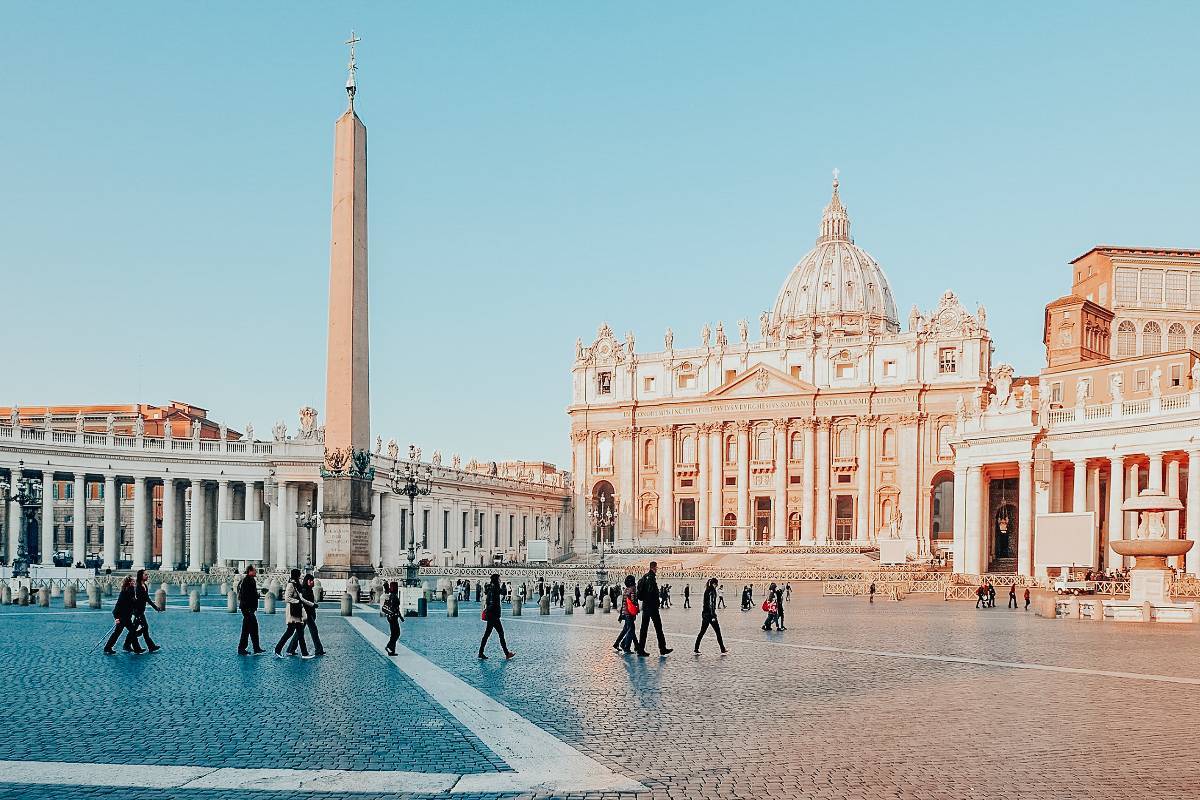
point(414, 481)
point(308, 521)
point(26, 493)
point(602, 516)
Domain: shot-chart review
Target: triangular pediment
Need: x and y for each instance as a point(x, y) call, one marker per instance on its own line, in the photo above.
point(761, 380)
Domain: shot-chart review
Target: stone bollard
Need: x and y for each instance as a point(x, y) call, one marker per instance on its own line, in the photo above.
point(544, 606)
point(569, 606)
point(69, 596)
point(43, 597)
point(6, 595)
point(93, 591)
point(194, 600)
point(269, 603)
point(318, 591)
point(55, 591)
point(451, 605)
point(347, 609)
point(589, 607)
point(108, 588)
point(166, 587)
point(203, 589)
point(231, 601)
point(516, 607)
point(160, 598)
point(183, 589)
point(23, 595)
point(605, 605)
point(273, 588)
point(224, 588)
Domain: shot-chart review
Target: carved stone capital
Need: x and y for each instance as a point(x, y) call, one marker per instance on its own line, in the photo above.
point(742, 426)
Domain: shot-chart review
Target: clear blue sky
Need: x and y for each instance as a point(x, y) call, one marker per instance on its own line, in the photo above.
point(539, 167)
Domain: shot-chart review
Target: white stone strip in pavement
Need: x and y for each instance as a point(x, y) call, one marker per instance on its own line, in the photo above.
point(983, 662)
point(540, 761)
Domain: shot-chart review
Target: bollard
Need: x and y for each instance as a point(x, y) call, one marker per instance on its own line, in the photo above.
point(422, 607)
point(165, 587)
point(569, 606)
point(183, 588)
point(160, 598)
point(605, 605)
point(516, 607)
point(318, 591)
point(590, 606)
point(43, 597)
point(224, 588)
point(203, 589)
point(93, 591)
point(55, 591)
point(23, 595)
point(194, 600)
point(544, 606)
point(6, 595)
point(69, 596)
point(451, 605)
point(231, 601)
point(108, 588)
point(347, 605)
point(269, 603)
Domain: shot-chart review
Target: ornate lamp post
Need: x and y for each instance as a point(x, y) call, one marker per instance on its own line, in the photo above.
point(27, 493)
point(308, 521)
point(602, 516)
point(412, 480)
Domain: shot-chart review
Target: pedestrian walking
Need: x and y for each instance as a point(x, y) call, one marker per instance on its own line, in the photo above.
point(1026, 598)
point(310, 619)
point(1012, 596)
point(248, 603)
point(991, 591)
point(769, 606)
point(294, 615)
point(577, 595)
point(721, 596)
point(491, 614)
point(980, 594)
point(745, 598)
point(123, 618)
point(708, 616)
point(647, 594)
point(141, 628)
point(390, 608)
point(788, 591)
point(779, 626)
point(871, 592)
point(687, 596)
point(629, 612)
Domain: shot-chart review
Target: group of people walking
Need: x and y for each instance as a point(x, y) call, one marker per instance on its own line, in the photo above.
point(129, 615)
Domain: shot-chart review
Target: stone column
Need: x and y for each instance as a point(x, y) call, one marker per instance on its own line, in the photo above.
point(1172, 490)
point(140, 518)
point(253, 509)
point(1116, 518)
point(1025, 517)
point(626, 493)
point(960, 518)
point(168, 525)
point(291, 539)
point(1154, 480)
point(862, 469)
point(224, 505)
point(704, 482)
point(974, 516)
point(582, 479)
point(666, 497)
point(196, 529)
point(823, 532)
point(716, 458)
point(1079, 486)
point(808, 531)
point(112, 521)
point(376, 527)
point(743, 483)
point(79, 520)
point(779, 503)
point(390, 549)
point(1132, 491)
point(278, 531)
point(1057, 501)
point(47, 530)
point(1193, 511)
point(14, 517)
point(319, 508)
point(382, 518)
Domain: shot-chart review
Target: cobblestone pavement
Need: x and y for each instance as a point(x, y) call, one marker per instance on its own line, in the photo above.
point(775, 718)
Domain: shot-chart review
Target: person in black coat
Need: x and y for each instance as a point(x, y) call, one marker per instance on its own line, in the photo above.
point(307, 589)
point(648, 599)
point(141, 599)
point(390, 608)
point(708, 616)
point(491, 613)
point(248, 603)
point(123, 618)
point(577, 595)
point(779, 626)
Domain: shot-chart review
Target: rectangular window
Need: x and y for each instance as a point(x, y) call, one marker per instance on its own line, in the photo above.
point(843, 478)
point(1056, 392)
point(497, 530)
point(1194, 291)
point(403, 528)
point(731, 480)
point(510, 529)
point(796, 372)
point(843, 371)
point(445, 530)
point(425, 528)
point(1151, 287)
point(1125, 286)
point(524, 528)
point(889, 369)
point(1177, 375)
point(648, 383)
point(947, 361)
point(685, 482)
point(687, 381)
point(1177, 288)
point(464, 530)
point(1141, 380)
point(730, 374)
point(604, 383)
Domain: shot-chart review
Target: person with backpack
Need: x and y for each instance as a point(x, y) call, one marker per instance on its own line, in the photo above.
point(248, 603)
point(770, 606)
point(390, 608)
point(491, 614)
point(708, 616)
point(647, 594)
point(629, 612)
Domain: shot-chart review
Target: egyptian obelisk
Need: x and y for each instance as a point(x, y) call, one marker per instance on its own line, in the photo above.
point(347, 475)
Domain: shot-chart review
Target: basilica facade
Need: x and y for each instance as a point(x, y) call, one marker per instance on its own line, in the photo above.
point(832, 427)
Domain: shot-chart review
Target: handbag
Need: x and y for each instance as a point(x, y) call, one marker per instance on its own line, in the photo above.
point(630, 609)
point(766, 606)
point(483, 613)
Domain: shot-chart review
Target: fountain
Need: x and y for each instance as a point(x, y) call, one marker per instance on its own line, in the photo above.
point(1150, 578)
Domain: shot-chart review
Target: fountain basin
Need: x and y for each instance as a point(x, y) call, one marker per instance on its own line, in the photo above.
point(1151, 553)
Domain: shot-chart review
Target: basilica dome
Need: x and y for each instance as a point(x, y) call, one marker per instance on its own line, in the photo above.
point(837, 289)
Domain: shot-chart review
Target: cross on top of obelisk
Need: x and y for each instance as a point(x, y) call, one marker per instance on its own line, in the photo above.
point(352, 67)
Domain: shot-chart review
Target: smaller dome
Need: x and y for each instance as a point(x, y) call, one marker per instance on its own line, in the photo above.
point(837, 288)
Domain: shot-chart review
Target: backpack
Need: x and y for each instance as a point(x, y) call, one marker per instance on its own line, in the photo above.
point(631, 610)
point(766, 606)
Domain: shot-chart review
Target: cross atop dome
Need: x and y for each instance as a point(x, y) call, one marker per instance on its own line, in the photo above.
point(351, 86)
point(835, 222)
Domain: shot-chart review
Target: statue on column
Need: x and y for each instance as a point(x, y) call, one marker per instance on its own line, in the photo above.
point(110, 424)
point(669, 340)
point(196, 430)
point(705, 336)
point(79, 421)
point(722, 341)
point(139, 425)
point(393, 449)
point(248, 436)
point(14, 418)
point(743, 331)
point(764, 326)
point(1156, 382)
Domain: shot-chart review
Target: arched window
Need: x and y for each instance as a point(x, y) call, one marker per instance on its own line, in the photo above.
point(889, 444)
point(730, 449)
point(1151, 339)
point(649, 453)
point(845, 443)
point(689, 449)
point(945, 433)
point(793, 527)
point(604, 452)
point(762, 445)
point(1126, 340)
point(650, 514)
point(941, 521)
point(797, 446)
point(1196, 332)
point(1176, 337)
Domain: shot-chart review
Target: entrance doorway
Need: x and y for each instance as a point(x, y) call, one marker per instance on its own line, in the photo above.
point(729, 529)
point(1002, 524)
point(687, 520)
point(843, 518)
point(762, 520)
